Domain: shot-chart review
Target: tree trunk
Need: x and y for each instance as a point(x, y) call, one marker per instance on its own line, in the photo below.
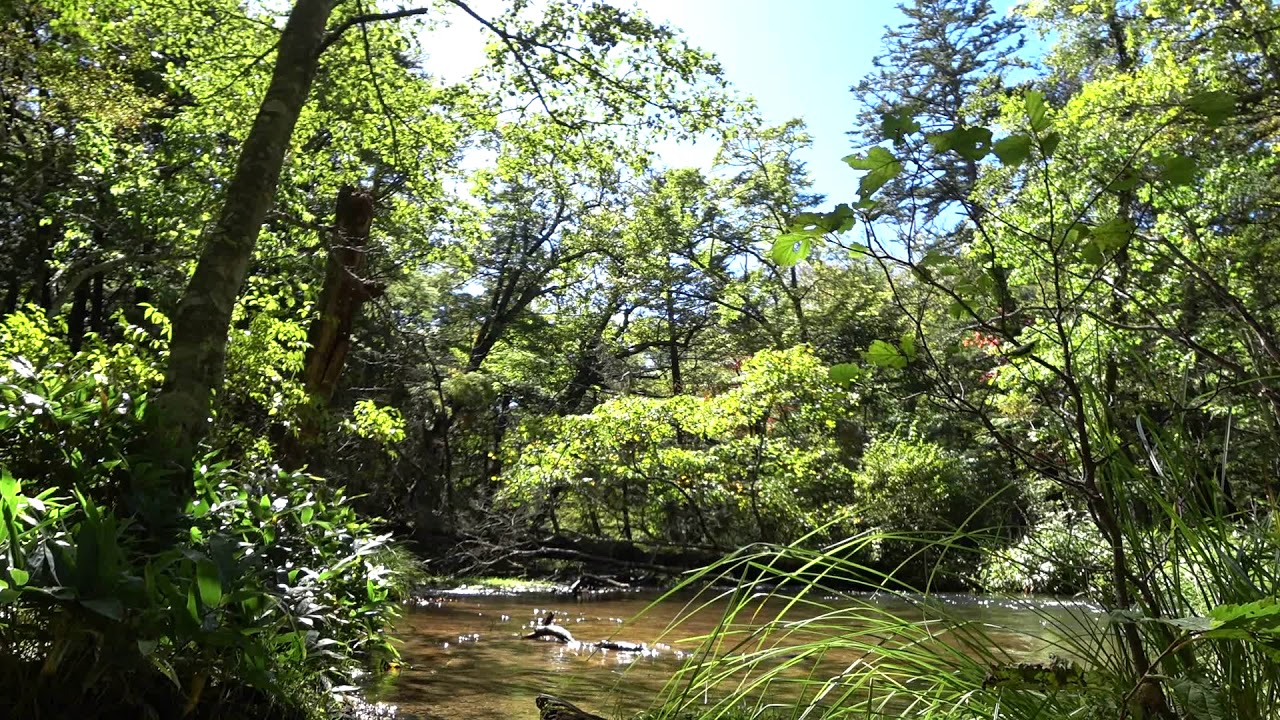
point(97, 305)
point(673, 347)
point(78, 321)
point(329, 337)
point(197, 351)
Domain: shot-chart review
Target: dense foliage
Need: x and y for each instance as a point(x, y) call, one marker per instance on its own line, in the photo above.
point(264, 277)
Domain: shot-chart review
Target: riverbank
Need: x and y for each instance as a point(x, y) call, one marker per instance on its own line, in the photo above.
point(468, 585)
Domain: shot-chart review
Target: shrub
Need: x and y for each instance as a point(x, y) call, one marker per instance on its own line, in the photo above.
point(910, 490)
point(269, 598)
point(1062, 554)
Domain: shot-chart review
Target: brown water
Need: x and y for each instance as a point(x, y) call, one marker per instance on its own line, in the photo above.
point(464, 657)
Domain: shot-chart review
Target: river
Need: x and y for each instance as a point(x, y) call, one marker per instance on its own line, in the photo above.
point(463, 656)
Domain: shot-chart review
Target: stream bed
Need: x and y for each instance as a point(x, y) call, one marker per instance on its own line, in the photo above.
point(464, 656)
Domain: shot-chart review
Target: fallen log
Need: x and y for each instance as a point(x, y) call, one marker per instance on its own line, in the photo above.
point(562, 635)
point(552, 631)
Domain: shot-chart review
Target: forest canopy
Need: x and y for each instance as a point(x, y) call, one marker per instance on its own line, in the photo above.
point(277, 303)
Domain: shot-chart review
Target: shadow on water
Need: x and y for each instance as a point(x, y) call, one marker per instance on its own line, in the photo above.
point(464, 657)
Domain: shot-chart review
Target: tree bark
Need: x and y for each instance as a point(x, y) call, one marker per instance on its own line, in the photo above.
point(197, 352)
point(345, 290)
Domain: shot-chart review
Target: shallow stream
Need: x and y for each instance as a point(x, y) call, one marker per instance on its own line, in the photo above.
point(464, 657)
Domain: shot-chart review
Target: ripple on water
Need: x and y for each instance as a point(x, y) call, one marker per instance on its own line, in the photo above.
point(463, 657)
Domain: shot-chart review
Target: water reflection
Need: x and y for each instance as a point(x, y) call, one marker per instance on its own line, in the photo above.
point(464, 657)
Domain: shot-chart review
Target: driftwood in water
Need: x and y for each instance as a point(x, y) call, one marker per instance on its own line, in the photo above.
point(551, 631)
point(586, 582)
point(560, 634)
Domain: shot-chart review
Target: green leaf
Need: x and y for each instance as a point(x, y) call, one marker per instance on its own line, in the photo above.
point(1012, 150)
point(193, 606)
point(1049, 143)
point(107, 607)
point(941, 142)
point(1177, 169)
point(1260, 616)
point(883, 354)
point(908, 345)
point(9, 486)
point(20, 577)
point(1112, 234)
point(881, 167)
point(790, 249)
point(897, 125)
point(844, 373)
point(209, 583)
point(1215, 106)
point(1037, 111)
point(1126, 180)
point(973, 143)
point(841, 219)
point(1092, 254)
point(808, 223)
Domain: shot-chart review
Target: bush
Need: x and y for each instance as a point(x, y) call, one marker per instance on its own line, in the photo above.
point(268, 600)
point(909, 490)
point(1062, 554)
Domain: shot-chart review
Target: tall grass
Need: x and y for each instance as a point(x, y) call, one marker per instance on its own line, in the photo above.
point(816, 633)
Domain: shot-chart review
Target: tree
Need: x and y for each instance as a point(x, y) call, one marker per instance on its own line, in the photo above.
point(543, 51)
point(941, 76)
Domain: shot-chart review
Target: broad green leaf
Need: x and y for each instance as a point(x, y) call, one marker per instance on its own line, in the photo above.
point(20, 577)
point(883, 354)
point(193, 605)
point(1177, 169)
point(897, 125)
point(1112, 234)
point(1125, 181)
point(811, 223)
point(209, 583)
point(808, 223)
point(1215, 106)
point(841, 219)
point(107, 607)
point(9, 486)
point(845, 373)
point(973, 143)
point(908, 345)
point(941, 142)
point(1092, 253)
point(1260, 616)
point(970, 142)
point(881, 167)
point(790, 249)
point(1012, 150)
point(1037, 111)
point(1049, 144)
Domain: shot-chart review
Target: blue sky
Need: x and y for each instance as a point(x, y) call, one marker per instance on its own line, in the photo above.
point(797, 58)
